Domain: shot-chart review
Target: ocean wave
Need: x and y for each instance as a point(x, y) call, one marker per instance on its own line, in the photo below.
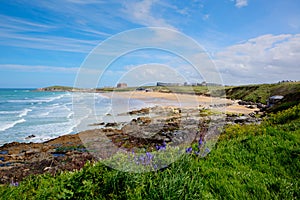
point(70, 115)
point(26, 100)
point(44, 114)
point(55, 98)
point(24, 112)
point(9, 112)
point(12, 124)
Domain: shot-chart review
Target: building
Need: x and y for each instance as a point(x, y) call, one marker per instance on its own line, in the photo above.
point(121, 85)
point(274, 100)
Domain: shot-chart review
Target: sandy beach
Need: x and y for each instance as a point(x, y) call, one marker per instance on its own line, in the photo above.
point(183, 100)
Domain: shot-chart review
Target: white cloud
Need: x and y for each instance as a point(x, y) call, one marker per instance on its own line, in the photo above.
point(268, 58)
point(205, 17)
point(241, 3)
point(141, 13)
point(38, 68)
point(55, 43)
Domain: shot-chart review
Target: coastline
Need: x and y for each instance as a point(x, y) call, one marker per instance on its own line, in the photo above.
point(68, 152)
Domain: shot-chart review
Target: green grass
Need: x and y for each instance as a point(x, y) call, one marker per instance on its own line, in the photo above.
point(59, 88)
point(261, 93)
point(248, 162)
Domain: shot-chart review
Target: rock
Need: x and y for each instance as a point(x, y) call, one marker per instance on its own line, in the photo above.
point(245, 103)
point(141, 111)
point(241, 119)
point(30, 136)
point(144, 120)
point(97, 124)
point(47, 168)
point(110, 124)
point(31, 152)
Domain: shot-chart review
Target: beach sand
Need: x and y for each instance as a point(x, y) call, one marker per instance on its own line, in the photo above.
point(182, 100)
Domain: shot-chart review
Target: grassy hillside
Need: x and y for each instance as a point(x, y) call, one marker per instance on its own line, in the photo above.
point(260, 93)
point(57, 88)
point(248, 162)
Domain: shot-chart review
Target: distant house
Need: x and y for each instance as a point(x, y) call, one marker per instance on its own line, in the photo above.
point(122, 85)
point(274, 100)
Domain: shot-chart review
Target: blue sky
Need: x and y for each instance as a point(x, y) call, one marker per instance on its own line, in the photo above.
point(44, 43)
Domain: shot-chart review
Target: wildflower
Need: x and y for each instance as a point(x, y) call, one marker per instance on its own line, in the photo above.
point(207, 150)
point(163, 148)
point(189, 150)
point(200, 142)
point(157, 147)
point(149, 155)
point(16, 184)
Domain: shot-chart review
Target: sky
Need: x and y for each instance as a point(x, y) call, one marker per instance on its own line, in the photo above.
point(44, 43)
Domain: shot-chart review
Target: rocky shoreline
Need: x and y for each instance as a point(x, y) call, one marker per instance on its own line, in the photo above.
point(151, 127)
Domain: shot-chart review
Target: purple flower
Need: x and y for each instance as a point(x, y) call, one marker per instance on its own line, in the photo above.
point(16, 184)
point(189, 150)
point(162, 148)
point(207, 150)
point(200, 142)
point(157, 147)
point(149, 155)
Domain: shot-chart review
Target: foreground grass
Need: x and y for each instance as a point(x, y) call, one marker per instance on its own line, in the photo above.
point(248, 162)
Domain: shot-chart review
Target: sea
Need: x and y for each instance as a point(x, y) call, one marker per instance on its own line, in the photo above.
point(47, 115)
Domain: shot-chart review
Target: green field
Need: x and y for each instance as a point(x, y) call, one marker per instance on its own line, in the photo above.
point(248, 162)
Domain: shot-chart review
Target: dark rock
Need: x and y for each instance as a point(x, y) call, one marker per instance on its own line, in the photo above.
point(30, 136)
point(97, 124)
point(110, 124)
point(245, 103)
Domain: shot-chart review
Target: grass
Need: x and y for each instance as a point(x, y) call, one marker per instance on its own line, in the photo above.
point(261, 93)
point(248, 162)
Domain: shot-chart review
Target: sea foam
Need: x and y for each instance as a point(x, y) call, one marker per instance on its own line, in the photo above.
point(9, 125)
